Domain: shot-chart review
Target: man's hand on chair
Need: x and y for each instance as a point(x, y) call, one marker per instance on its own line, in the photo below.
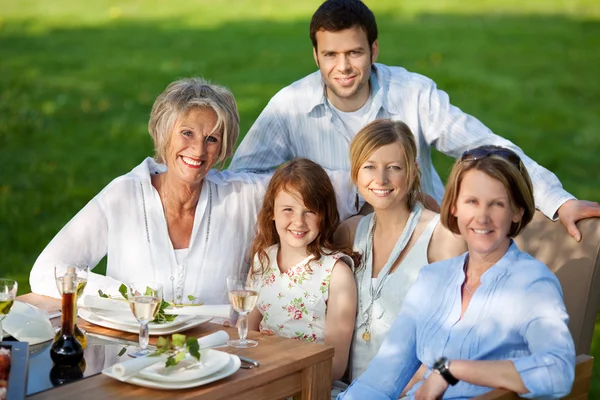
point(575, 210)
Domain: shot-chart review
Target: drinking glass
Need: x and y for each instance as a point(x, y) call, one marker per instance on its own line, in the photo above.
point(81, 272)
point(8, 292)
point(144, 300)
point(243, 294)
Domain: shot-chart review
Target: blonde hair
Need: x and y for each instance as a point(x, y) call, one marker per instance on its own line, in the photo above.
point(515, 179)
point(380, 133)
point(182, 95)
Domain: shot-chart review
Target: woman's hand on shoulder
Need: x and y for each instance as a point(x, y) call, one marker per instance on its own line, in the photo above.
point(344, 234)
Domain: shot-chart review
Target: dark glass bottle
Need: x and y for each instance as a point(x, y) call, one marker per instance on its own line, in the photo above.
point(79, 334)
point(66, 349)
point(62, 374)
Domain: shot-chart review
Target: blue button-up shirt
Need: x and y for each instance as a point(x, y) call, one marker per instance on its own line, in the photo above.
point(516, 314)
point(299, 122)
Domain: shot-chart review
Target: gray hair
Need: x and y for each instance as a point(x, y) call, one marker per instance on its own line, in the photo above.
point(182, 95)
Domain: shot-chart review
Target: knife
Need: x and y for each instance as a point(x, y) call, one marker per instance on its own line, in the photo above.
point(248, 363)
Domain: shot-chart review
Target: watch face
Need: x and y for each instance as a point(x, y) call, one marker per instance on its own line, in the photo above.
point(440, 363)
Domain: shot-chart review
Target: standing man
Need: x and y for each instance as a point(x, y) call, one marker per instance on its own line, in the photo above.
point(317, 116)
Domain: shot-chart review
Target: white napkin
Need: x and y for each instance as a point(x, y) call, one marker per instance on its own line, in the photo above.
point(27, 323)
point(219, 338)
point(221, 311)
point(103, 303)
point(127, 369)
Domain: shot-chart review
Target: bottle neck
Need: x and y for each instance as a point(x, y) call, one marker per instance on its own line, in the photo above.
point(68, 314)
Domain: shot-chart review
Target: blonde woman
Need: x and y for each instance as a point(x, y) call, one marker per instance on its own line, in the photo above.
point(166, 219)
point(396, 240)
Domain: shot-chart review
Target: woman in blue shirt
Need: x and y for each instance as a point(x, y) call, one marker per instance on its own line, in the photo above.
point(491, 318)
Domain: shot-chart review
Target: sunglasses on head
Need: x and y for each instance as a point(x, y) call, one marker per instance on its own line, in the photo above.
point(482, 152)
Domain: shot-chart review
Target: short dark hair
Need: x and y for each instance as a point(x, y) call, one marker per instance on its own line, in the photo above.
point(337, 15)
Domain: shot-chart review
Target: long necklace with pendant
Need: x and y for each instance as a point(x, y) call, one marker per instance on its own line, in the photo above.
point(366, 336)
point(403, 240)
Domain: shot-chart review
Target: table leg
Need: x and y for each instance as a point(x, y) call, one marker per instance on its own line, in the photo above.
point(316, 382)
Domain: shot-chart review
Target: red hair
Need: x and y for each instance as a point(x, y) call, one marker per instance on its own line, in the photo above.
point(310, 180)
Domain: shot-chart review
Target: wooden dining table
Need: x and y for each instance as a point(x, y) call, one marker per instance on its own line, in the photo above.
point(288, 368)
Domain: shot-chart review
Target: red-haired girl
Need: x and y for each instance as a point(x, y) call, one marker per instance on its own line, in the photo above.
point(308, 290)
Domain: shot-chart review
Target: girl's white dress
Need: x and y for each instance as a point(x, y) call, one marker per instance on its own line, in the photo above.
point(294, 304)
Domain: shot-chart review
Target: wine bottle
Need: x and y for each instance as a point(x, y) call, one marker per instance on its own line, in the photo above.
point(66, 350)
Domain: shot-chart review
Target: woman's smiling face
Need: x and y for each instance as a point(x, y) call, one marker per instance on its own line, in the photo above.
point(484, 214)
point(382, 180)
point(193, 147)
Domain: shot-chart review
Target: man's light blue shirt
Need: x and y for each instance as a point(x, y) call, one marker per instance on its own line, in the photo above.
point(516, 314)
point(299, 122)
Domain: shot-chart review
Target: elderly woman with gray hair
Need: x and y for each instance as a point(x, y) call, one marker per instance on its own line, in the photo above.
point(172, 219)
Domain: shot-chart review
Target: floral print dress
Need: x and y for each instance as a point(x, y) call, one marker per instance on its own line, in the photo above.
point(293, 304)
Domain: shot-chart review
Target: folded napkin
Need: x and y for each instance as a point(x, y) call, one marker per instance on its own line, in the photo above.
point(27, 323)
point(127, 369)
point(103, 303)
point(221, 311)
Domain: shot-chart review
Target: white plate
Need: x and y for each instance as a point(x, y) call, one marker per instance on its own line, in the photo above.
point(211, 361)
point(232, 366)
point(154, 330)
point(127, 318)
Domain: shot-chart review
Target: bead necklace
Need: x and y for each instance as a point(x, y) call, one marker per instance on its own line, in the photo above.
point(182, 266)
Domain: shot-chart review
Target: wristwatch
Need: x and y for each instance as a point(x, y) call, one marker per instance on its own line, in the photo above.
point(441, 367)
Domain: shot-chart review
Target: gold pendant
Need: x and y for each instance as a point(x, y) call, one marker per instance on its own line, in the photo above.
point(366, 336)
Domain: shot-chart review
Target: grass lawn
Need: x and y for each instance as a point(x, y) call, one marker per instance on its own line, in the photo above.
point(77, 81)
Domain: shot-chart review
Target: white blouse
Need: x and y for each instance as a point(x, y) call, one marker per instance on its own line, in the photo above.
point(126, 222)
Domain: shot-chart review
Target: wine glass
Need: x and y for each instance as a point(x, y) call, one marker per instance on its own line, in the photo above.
point(81, 272)
point(8, 292)
point(144, 300)
point(243, 294)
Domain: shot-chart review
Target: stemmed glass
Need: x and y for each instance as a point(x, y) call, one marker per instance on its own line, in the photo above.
point(8, 292)
point(144, 300)
point(81, 272)
point(243, 294)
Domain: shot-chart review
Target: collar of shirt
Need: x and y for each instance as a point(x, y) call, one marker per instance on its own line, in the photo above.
point(508, 260)
point(317, 96)
point(149, 167)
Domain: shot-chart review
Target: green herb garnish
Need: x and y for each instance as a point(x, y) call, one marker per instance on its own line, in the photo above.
point(160, 318)
point(177, 348)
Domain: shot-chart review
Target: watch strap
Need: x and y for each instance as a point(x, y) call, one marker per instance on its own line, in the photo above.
point(442, 366)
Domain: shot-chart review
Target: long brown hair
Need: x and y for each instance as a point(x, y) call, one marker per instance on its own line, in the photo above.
point(311, 181)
